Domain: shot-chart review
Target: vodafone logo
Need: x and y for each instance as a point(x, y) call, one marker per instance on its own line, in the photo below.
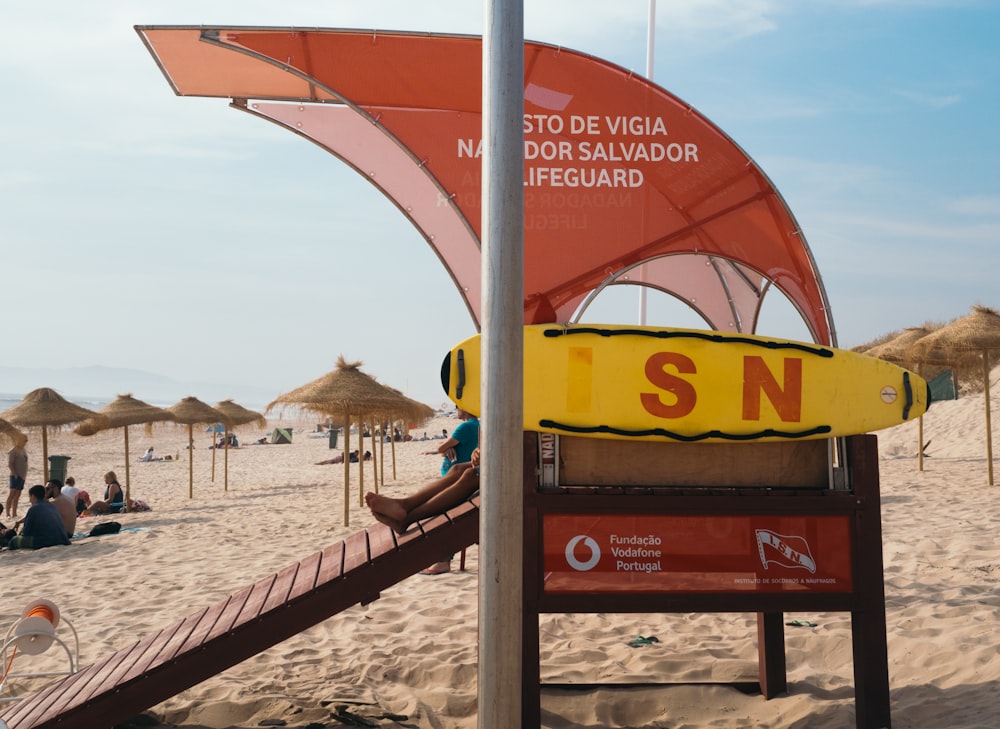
point(595, 553)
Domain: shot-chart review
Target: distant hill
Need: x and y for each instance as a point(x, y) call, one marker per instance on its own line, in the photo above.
point(102, 384)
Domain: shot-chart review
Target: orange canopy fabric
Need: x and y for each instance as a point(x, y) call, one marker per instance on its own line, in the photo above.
point(624, 183)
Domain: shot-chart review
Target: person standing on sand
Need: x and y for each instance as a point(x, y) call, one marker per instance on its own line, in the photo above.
point(461, 482)
point(17, 462)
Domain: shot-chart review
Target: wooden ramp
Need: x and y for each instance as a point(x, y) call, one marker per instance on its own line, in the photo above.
point(257, 617)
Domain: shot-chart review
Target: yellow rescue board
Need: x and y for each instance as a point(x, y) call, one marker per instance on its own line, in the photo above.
point(648, 383)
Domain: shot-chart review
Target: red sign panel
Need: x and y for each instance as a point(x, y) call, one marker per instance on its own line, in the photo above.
point(664, 554)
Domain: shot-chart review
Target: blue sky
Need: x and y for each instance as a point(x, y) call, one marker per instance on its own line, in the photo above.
point(176, 236)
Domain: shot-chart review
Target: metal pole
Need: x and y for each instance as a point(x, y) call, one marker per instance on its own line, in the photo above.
point(650, 43)
point(501, 515)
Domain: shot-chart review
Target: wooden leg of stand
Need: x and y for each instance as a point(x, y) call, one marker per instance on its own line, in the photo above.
point(771, 654)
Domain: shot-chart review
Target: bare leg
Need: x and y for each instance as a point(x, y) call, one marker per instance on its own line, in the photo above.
point(454, 494)
point(446, 491)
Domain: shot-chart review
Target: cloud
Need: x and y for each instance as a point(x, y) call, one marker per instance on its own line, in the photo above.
point(976, 205)
point(929, 100)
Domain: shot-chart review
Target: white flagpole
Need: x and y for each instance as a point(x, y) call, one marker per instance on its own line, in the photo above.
point(650, 43)
point(501, 514)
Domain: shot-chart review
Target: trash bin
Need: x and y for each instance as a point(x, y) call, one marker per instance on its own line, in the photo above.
point(57, 468)
point(333, 437)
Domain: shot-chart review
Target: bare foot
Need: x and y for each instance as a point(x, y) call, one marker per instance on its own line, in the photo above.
point(386, 506)
point(396, 526)
point(438, 568)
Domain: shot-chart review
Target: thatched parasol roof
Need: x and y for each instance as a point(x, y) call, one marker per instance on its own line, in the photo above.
point(345, 390)
point(44, 408)
point(970, 334)
point(236, 415)
point(122, 412)
point(416, 410)
point(10, 433)
point(897, 348)
point(192, 411)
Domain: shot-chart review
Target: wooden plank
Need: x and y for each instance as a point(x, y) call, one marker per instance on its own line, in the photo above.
point(598, 462)
point(173, 637)
point(203, 627)
point(282, 586)
point(258, 595)
point(305, 580)
point(230, 614)
point(381, 541)
point(355, 551)
point(331, 565)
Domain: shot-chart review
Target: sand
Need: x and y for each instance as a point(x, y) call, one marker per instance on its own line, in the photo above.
point(413, 652)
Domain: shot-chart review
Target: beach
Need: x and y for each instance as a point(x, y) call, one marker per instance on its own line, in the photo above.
point(409, 659)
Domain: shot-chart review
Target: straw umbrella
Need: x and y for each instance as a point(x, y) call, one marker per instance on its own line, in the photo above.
point(45, 408)
point(122, 412)
point(963, 339)
point(191, 411)
point(9, 433)
point(346, 392)
point(411, 410)
point(236, 415)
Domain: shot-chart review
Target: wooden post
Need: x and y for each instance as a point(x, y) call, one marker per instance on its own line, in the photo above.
point(128, 480)
point(347, 469)
point(989, 429)
point(500, 567)
point(190, 461)
point(45, 454)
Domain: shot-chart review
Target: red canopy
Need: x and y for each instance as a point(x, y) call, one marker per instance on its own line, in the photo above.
point(624, 183)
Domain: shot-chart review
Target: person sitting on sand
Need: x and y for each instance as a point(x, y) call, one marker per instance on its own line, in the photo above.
point(66, 508)
point(147, 456)
point(114, 497)
point(43, 527)
point(82, 502)
point(461, 482)
point(70, 492)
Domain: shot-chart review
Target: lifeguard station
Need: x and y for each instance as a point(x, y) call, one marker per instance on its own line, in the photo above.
point(624, 184)
point(763, 528)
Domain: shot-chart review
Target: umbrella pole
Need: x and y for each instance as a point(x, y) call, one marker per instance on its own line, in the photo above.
point(392, 447)
point(128, 478)
point(190, 461)
point(45, 454)
point(381, 455)
point(225, 459)
point(374, 464)
point(361, 462)
point(989, 430)
point(920, 443)
point(347, 469)
point(920, 431)
point(213, 452)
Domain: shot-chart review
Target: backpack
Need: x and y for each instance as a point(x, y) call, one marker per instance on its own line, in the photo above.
point(106, 527)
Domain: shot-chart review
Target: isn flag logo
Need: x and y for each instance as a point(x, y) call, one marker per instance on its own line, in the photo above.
point(783, 550)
